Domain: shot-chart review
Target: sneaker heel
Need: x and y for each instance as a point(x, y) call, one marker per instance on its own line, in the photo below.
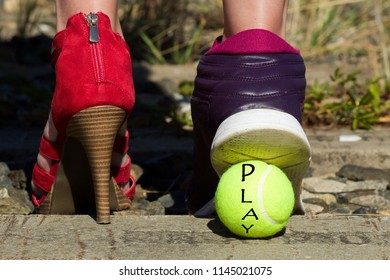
point(95, 128)
point(269, 135)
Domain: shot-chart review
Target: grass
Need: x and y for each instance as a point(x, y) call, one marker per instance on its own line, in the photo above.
point(27, 17)
point(163, 32)
point(359, 28)
point(346, 100)
point(356, 32)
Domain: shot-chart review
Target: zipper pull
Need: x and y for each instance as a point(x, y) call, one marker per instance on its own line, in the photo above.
point(92, 20)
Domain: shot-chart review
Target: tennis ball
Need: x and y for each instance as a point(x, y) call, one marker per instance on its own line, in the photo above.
point(254, 199)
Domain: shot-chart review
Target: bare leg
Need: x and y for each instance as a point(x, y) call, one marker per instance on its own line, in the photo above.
point(65, 9)
point(251, 14)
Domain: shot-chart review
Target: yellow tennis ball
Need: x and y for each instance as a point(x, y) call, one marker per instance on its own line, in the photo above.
point(254, 199)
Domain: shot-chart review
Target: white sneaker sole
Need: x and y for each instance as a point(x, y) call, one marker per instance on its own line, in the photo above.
point(268, 135)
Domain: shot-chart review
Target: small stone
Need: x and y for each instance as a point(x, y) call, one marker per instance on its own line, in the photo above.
point(377, 185)
point(13, 201)
point(5, 182)
point(341, 210)
point(387, 194)
point(350, 138)
point(383, 212)
point(142, 206)
point(342, 197)
point(326, 185)
point(155, 208)
point(363, 211)
point(174, 202)
point(348, 196)
point(167, 200)
point(328, 199)
point(18, 178)
point(359, 173)
point(4, 193)
point(4, 169)
point(372, 201)
point(313, 209)
point(321, 185)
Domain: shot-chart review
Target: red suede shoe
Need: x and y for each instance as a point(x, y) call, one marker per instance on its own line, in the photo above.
point(94, 96)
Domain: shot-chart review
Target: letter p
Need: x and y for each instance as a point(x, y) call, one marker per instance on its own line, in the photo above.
point(244, 171)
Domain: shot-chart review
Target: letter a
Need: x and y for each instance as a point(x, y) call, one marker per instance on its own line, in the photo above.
point(247, 174)
point(253, 214)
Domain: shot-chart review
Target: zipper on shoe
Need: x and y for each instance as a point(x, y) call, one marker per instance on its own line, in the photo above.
point(95, 46)
point(92, 20)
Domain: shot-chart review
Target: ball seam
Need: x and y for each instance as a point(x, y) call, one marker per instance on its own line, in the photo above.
point(260, 195)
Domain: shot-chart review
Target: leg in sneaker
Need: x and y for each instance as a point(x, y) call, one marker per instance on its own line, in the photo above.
point(248, 100)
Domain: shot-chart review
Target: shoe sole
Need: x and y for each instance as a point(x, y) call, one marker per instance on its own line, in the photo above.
point(268, 135)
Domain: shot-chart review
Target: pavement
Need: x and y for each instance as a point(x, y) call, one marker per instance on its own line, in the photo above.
point(189, 238)
point(185, 237)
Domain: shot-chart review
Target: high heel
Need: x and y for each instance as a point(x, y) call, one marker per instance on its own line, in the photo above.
point(120, 199)
point(94, 96)
point(95, 128)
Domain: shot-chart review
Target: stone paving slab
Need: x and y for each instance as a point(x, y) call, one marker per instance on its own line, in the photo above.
point(186, 237)
point(329, 154)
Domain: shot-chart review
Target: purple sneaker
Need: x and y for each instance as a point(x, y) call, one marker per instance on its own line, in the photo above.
point(247, 104)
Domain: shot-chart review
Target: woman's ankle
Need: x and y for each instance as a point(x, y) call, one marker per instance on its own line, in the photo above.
point(68, 8)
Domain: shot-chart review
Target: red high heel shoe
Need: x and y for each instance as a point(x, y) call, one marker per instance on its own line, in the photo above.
point(93, 97)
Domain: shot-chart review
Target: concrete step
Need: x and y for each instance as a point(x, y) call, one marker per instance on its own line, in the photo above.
point(189, 238)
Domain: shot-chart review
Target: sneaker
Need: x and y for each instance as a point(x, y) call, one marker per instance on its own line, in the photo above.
point(247, 104)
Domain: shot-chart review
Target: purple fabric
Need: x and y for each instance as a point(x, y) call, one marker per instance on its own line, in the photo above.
point(233, 83)
point(252, 41)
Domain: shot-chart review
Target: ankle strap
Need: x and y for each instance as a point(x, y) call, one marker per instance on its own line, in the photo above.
point(50, 149)
point(42, 179)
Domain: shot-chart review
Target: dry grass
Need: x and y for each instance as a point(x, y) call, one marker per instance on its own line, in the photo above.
point(359, 28)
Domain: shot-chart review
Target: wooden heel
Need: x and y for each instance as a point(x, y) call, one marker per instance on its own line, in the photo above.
point(95, 128)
